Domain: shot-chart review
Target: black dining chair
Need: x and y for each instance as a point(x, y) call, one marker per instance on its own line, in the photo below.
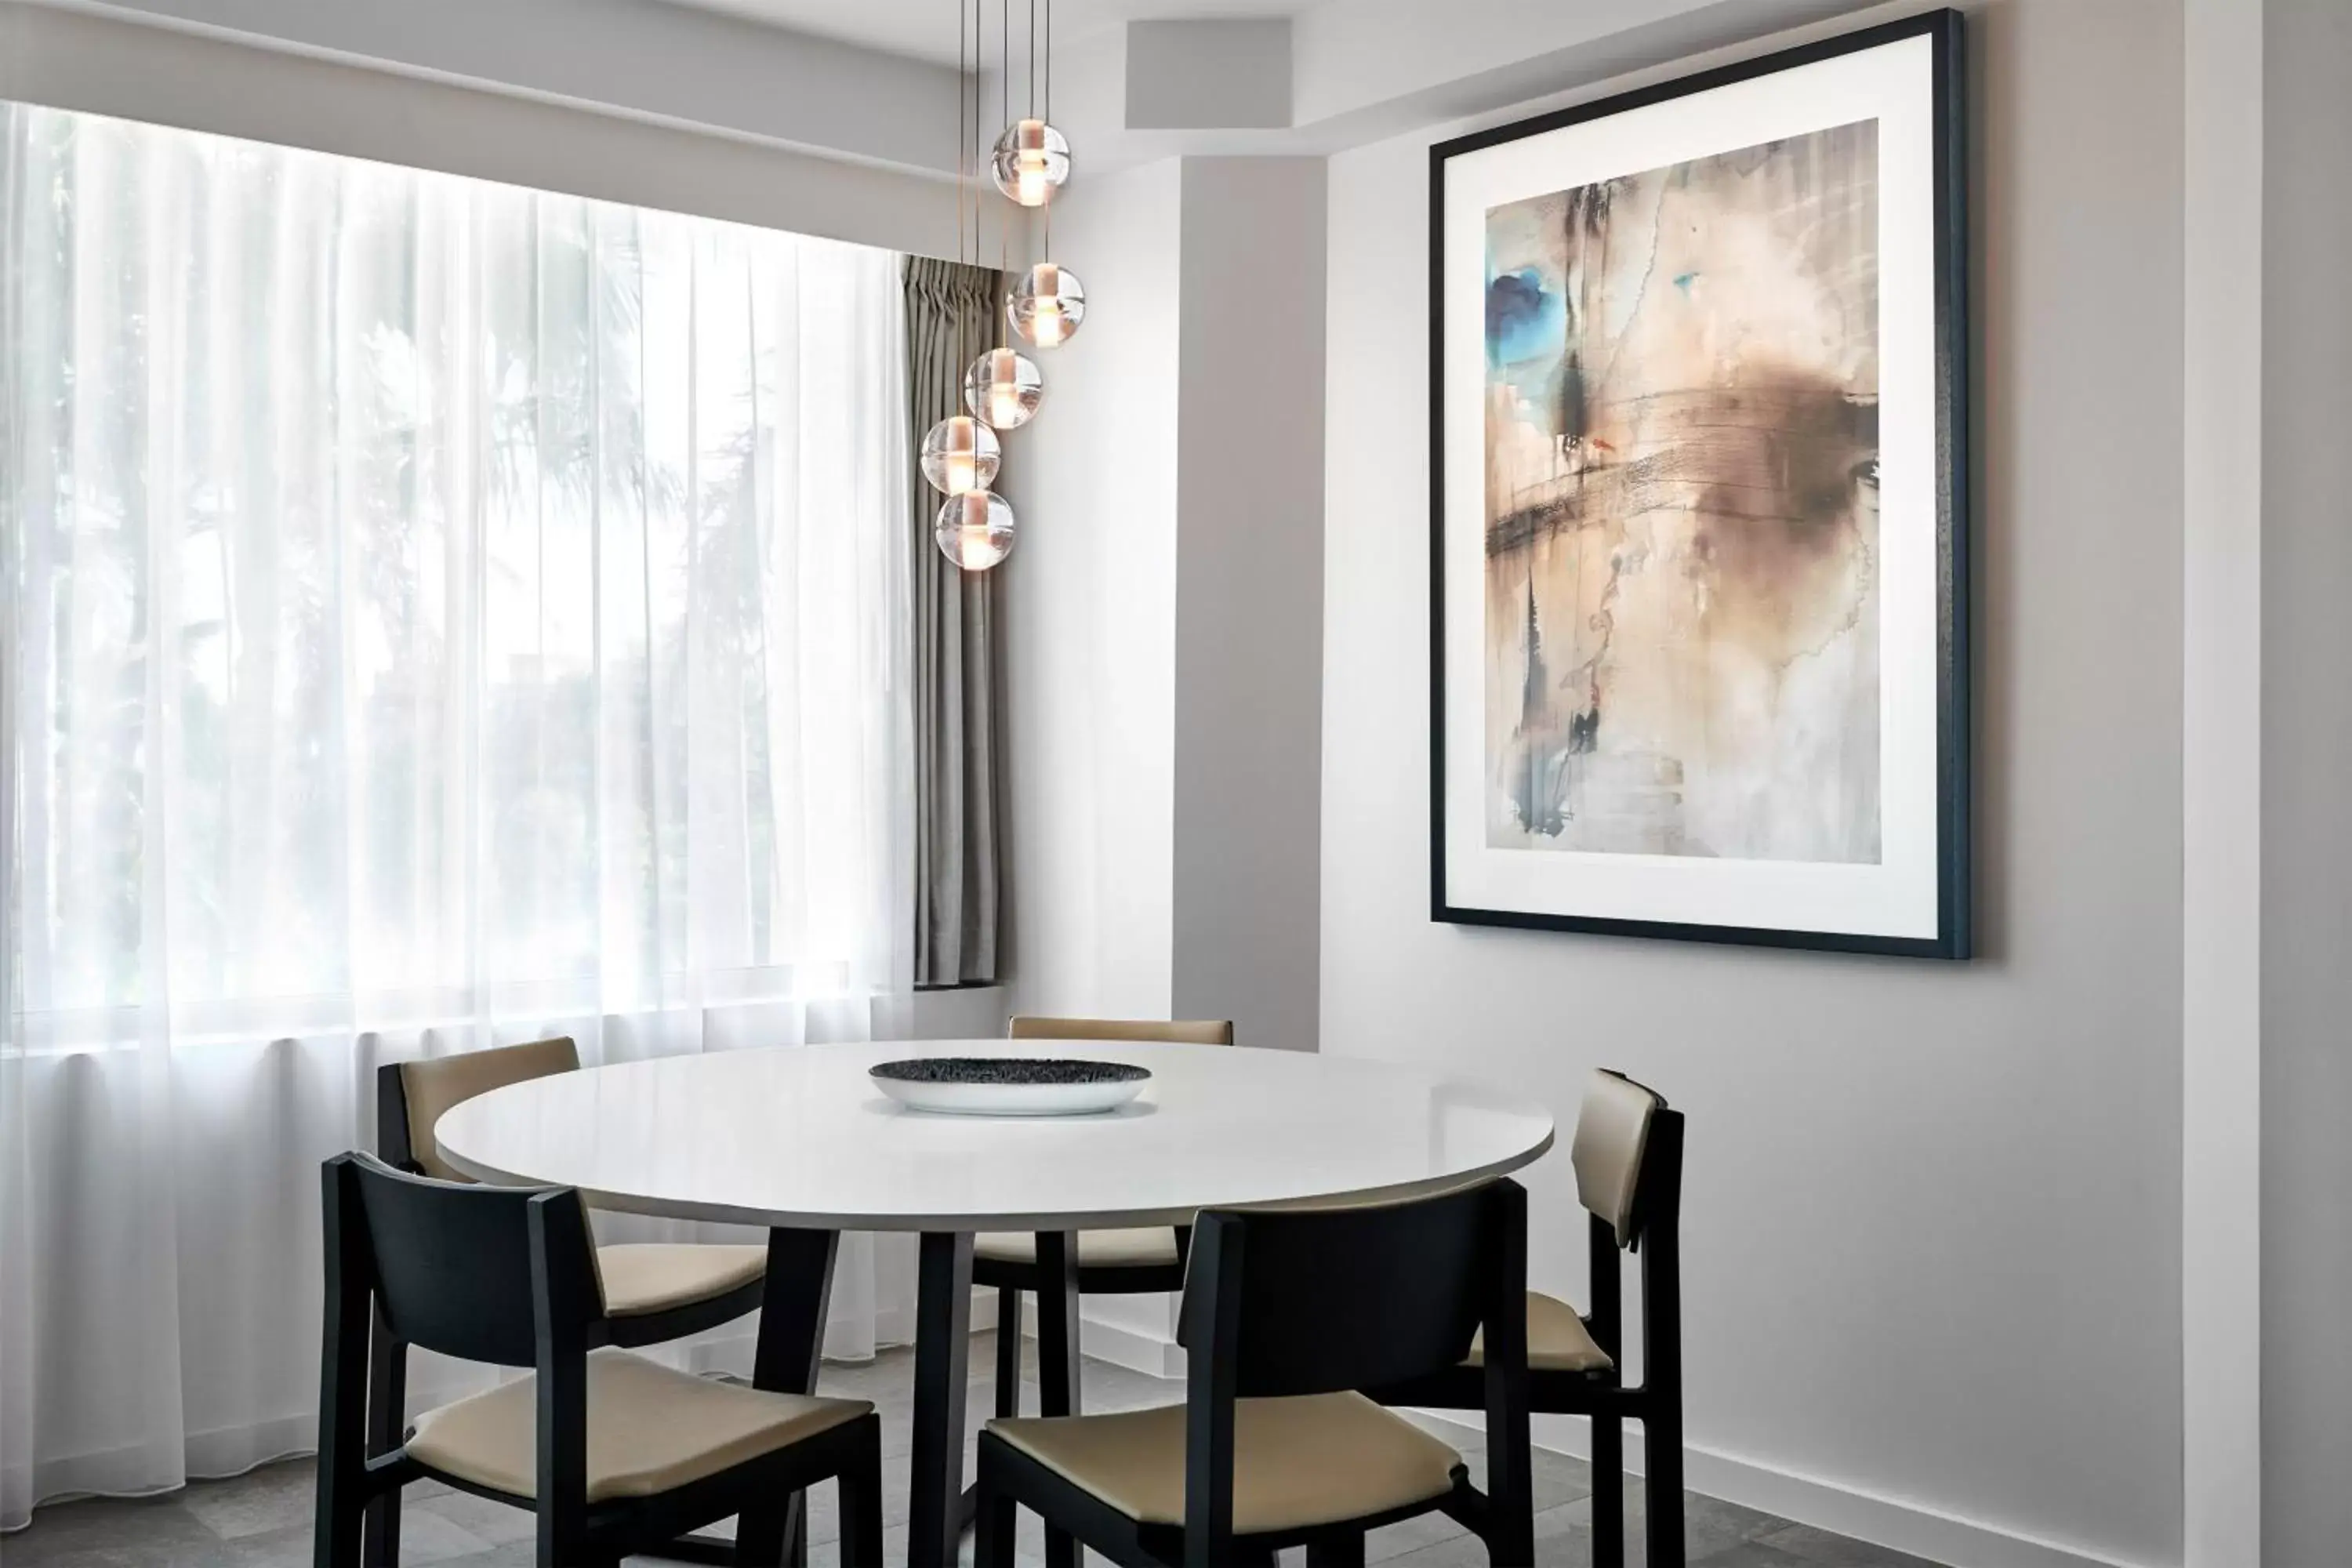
point(1628, 1155)
point(1131, 1261)
point(654, 1291)
point(666, 1290)
point(614, 1453)
point(1286, 1313)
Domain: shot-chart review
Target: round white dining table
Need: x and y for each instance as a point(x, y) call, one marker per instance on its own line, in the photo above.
point(800, 1140)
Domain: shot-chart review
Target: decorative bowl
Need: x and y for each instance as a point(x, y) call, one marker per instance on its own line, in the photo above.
point(1008, 1086)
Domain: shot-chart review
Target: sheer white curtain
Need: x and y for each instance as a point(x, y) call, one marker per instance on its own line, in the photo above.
point(436, 613)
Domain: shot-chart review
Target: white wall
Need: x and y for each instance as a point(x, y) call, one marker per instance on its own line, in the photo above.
point(1932, 1212)
point(2306, 758)
point(1090, 621)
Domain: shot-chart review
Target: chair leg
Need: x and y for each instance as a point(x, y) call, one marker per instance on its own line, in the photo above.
point(1008, 1353)
point(760, 1532)
point(342, 1499)
point(996, 1518)
point(387, 1401)
point(861, 1502)
point(785, 1358)
point(1057, 1355)
point(560, 1542)
point(1663, 1496)
point(1338, 1552)
point(340, 1523)
point(1608, 1492)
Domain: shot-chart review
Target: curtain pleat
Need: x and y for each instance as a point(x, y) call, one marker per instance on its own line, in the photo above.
point(960, 886)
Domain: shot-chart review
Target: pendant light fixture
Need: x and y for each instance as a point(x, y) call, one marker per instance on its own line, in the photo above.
point(1046, 305)
point(1032, 162)
point(1032, 159)
point(974, 526)
point(1003, 388)
point(960, 454)
point(1029, 163)
point(974, 529)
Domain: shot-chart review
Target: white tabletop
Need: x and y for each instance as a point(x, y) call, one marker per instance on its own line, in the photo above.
point(799, 1136)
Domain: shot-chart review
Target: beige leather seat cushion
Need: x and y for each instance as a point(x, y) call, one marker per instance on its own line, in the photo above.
point(1131, 1248)
point(1556, 1339)
point(1296, 1462)
point(653, 1276)
point(650, 1429)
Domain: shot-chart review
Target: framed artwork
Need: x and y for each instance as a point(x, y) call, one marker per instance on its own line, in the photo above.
point(1698, 407)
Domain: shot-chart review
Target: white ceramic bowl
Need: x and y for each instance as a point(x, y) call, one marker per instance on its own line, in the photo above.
point(1008, 1086)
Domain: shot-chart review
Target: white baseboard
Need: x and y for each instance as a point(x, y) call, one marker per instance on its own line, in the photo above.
point(1906, 1525)
point(1122, 1344)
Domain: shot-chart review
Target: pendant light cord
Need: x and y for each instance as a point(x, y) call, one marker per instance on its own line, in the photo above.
point(1048, 244)
point(961, 148)
point(979, 74)
point(1004, 218)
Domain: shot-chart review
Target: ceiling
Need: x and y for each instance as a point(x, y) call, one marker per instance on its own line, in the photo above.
point(926, 29)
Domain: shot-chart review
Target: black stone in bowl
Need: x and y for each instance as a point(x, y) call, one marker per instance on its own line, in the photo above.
point(1007, 1070)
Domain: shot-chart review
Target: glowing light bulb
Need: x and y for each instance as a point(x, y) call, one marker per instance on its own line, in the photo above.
point(974, 529)
point(960, 454)
point(1030, 162)
point(1002, 387)
point(1046, 305)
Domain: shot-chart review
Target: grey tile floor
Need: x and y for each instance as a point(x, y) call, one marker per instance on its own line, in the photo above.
point(263, 1519)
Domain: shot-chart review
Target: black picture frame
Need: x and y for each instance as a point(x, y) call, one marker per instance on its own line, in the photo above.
point(1954, 938)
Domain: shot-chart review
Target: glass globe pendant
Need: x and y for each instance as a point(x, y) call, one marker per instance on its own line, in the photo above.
point(1046, 305)
point(1030, 162)
point(1003, 388)
point(960, 454)
point(974, 529)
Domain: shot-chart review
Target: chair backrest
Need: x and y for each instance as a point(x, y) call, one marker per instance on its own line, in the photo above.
point(464, 1269)
point(1613, 1139)
point(412, 1095)
point(1176, 1032)
point(1318, 1300)
point(1628, 1155)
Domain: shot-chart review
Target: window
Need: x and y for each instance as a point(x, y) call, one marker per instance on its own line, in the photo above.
point(436, 599)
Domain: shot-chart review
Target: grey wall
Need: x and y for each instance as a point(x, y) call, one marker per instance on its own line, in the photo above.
point(2306, 771)
point(1249, 596)
point(1933, 1211)
point(1163, 611)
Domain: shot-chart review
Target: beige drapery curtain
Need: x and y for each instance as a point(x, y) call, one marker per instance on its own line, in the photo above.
point(959, 889)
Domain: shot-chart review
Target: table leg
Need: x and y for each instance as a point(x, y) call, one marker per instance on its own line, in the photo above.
point(1057, 1354)
point(942, 1351)
point(792, 1342)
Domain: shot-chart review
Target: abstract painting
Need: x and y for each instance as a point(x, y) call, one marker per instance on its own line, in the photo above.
point(1711, 643)
point(1681, 628)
